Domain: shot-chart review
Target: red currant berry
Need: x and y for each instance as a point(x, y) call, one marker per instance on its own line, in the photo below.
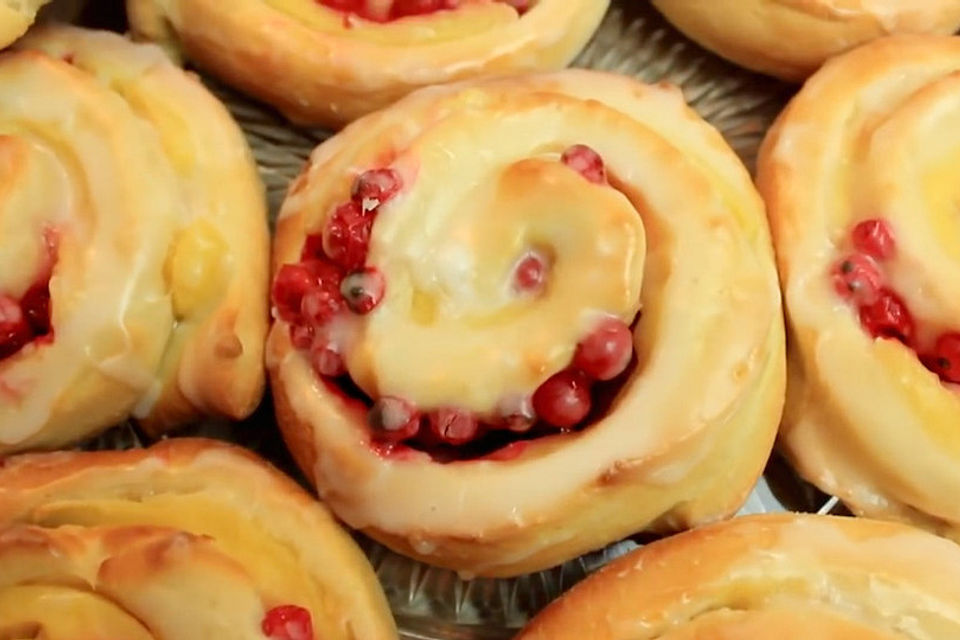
point(586, 162)
point(288, 622)
point(606, 352)
point(874, 238)
point(888, 317)
point(346, 236)
point(857, 278)
point(563, 400)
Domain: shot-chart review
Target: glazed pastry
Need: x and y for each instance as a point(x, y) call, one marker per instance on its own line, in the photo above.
point(787, 576)
point(790, 39)
point(134, 244)
point(460, 361)
point(16, 16)
point(328, 62)
point(188, 539)
point(858, 177)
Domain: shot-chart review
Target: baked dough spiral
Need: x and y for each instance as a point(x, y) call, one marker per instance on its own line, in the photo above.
point(188, 539)
point(16, 16)
point(463, 273)
point(785, 576)
point(134, 244)
point(857, 174)
point(327, 62)
point(791, 39)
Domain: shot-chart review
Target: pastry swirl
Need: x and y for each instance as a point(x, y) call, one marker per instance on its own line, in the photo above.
point(791, 39)
point(460, 361)
point(857, 175)
point(134, 244)
point(327, 62)
point(784, 576)
point(188, 539)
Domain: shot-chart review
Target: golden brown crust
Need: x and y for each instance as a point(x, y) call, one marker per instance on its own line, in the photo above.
point(318, 68)
point(157, 531)
point(870, 136)
point(792, 576)
point(791, 39)
point(648, 463)
point(173, 325)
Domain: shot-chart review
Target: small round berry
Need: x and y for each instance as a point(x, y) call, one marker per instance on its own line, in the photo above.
point(375, 187)
point(321, 305)
point(363, 290)
point(346, 236)
point(454, 426)
point(606, 352)
point(323, 301)
point(857, 278)
point(530, 274)
point(875, 238)
point(586, 162)
point(394, 419)
point(563, 400)
point(888, 317)
point(288, 622)
point(293, 281)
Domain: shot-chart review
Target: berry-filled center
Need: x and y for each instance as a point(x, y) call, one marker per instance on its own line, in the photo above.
point(863, 277)
point(537, 347)
point(389, 10)
point(25, 318)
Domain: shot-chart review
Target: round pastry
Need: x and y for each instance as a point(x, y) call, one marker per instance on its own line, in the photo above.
point(16, 16)
point(785, 576)
point(790, 39)
point(188, 539)
point(459, 357)
point(328, 62)
point(858, 178)
point(134, 244)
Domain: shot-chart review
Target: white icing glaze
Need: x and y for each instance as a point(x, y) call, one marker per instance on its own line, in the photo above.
point(870, 422)
point(683, 216)
point(450, 306)
point(148, 188)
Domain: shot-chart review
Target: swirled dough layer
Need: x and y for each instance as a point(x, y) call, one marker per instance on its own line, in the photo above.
point(189, 539)
point(319, 66)
point(792, 38)
point(158, 284)
point(678, 231)
point(873, 135)
point(785, 576)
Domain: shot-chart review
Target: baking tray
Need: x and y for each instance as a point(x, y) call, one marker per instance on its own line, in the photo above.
point(434, 604)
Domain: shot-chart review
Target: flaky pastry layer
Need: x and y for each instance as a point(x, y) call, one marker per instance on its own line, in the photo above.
point(319, 66)
point(785, 576)
point(873, 134)
point(687, 436)
point(147, 188)
point(187, 539)
point(791, 39)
